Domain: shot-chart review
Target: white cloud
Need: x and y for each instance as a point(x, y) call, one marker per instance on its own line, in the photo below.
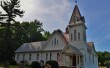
point(51, 12)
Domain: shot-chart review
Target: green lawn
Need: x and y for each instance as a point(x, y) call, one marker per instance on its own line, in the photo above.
point(11, 66)
point(102, 67)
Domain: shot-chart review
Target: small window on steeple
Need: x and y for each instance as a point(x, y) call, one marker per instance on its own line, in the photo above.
point(78, 36)
point(74, 34)
point(75, 19)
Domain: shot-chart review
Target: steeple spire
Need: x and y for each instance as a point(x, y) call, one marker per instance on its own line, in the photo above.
point(76, 1)
point(75, 14)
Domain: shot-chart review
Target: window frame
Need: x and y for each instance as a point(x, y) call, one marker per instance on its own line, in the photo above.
point(30, 56)
point(75, 35)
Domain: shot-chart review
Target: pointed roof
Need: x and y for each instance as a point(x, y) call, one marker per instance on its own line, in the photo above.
point(72, 48)
point(76, 13)
point(91, 47)
point(60, 33)
point(63, 36)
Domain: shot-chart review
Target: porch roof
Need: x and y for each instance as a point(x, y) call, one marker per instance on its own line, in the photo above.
point(73, 49)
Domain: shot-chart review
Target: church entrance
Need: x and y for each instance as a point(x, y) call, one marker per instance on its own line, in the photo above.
point(73, 57)
point(74, 61)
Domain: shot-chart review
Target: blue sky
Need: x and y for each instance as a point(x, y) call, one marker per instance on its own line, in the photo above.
point(55, 14)
point(97, 15)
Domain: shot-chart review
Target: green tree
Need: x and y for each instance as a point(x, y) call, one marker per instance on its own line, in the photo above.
point(28, 32)
point(19, 35)
point(12, 10)
point(46, 34)
point(6, 45)
point(33, 30)
point(103, 57)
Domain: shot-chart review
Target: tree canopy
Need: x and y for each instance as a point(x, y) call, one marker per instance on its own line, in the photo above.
point(11, 9)
point(18, 34)
point(13, 34)
point(103, 57)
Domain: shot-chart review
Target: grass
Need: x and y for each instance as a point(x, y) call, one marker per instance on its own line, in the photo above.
point(102, 67)
point(16, 66)
point(13, 66)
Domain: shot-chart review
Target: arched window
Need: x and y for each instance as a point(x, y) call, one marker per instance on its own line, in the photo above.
point(78, 36)
point(84, 36)
point(52, 43)
point(23, 56)
point(55, 41)
point(75, 19)
point(71, 36)
point(58, 56)
point(46, 56)
point(50, 56)
point(17, 56)
point(37, 56)
point(74, 34)
point(30, 57)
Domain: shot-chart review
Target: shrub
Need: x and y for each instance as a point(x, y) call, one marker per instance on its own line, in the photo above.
point(13, 62)
point(24, 62)
point(53, 64)
point(35, 64)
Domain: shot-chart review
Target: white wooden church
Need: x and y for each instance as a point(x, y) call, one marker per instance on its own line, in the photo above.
point(70, 48)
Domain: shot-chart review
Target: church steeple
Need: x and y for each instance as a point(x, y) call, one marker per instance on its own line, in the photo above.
point(77, 27)
point(76, 15)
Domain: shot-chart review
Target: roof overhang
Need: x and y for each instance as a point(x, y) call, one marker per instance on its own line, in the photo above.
point(71, 50)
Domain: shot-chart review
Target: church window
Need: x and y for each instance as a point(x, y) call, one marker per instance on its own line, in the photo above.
point(58, 56)
point(55, 41)
point(75, 19)
point(78, 36)
point(84, 36)
point(17, 56)
point(30, 57)
point(71, 36)
point(23, 56)
point(50, 56)
point(37, 56)
point(74, 34)
point(46, 56)
point(52, 42)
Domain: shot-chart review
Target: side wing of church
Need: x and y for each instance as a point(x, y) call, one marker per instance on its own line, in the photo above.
point(69, 49)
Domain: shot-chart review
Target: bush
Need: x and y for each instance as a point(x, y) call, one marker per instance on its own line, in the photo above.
point(35, 64)
point(2, 64)
point(24, 62)
point(13, 62)
point(53, 64)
